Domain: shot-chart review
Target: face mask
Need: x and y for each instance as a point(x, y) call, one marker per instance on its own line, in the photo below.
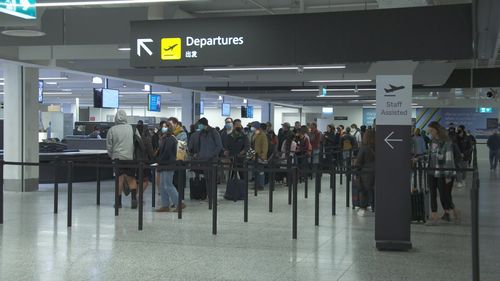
point(164, 130)
point(253, 130)
point(201, 127)
point(228, 126)
point(156, 130)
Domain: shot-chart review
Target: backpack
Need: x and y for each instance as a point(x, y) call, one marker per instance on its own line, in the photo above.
point(140, 153)
point(347, 144)
point(181, 151)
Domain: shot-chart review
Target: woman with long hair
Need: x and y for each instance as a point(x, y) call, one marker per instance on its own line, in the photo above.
point(365, 162)
point(440, 155)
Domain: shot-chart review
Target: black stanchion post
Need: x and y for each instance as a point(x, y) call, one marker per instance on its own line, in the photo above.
point(289, 180)
point(333, 186)
point(141, 195)
point(70, 192)
point(209, 182)
point(214, 198)
point(117, 188)
point(56, 185)
point(271, 186)
point(342, 164)
point(348, 180)
point(316, 195)
point(1, 193)
point(179, 193)
point(295, 194)
point(305, 175)
point(245, 203)
point(153, 188)
point(98, 182)
point(475, 227)
point(256, 174)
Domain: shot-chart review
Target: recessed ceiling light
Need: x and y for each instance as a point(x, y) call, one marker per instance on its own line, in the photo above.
point(57, 93)
point(23, 33)
point(341, 81)
point(147, 88)
point(339, 96)
point(53, 78)
point(325, 67)
point(251, 68)
point(103, 3)
point(96, 80)
point(51, 83)
point(124, 49)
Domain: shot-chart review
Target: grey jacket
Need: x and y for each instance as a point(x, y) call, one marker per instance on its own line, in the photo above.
point(119, 141)
point(206, 144)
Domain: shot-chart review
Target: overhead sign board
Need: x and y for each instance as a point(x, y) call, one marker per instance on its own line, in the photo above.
point(392, 169)
point(25, 9)
point(323, 38)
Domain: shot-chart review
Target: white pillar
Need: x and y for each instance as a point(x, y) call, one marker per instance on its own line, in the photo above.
point(21, 123)
point(187, 109)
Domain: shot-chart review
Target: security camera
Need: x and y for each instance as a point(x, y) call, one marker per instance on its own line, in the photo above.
point(491, 94)
point(300, 70)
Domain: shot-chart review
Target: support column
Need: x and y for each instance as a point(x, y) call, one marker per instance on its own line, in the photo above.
point(266, 113)
point(21, 119)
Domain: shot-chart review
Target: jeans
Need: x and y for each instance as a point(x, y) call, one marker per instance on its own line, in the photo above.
point(494, 158)
point(167, 189)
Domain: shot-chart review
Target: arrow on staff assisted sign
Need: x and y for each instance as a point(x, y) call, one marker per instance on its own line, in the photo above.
point(141, 44)
point(388, 140)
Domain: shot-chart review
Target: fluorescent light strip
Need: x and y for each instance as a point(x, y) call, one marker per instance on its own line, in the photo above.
point(331, 90)
point(102, 3)
point(53, 78)
point(339, 96)
point(341, 81)
point(251, 68)
point(57, 93)
point(51, 83)
point(325, 67)
point(142, 93)
point(124, 49)
point(2, 83)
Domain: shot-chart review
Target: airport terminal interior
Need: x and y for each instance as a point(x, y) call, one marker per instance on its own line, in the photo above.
point(250, 140)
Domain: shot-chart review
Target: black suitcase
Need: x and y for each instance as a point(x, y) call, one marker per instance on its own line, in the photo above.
point(198, 188)
point(355, 191)
point(418, 206)
point(235, 188)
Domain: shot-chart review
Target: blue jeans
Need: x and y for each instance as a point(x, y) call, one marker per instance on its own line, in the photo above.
point(167, 189)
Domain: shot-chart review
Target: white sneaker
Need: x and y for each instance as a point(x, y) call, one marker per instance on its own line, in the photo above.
point(361, 212)
point(460, 184)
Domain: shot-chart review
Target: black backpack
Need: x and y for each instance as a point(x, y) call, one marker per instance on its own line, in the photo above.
point(140, 153)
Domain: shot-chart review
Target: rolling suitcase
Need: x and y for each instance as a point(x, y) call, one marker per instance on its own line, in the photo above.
point(235, 188)
point(198, 188)
point(355, 191)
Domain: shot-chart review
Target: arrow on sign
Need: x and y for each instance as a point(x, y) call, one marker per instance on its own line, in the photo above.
point(141, 43)
point(388, 140)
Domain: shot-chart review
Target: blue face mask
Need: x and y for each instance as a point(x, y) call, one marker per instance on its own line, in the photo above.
point(164, 130)
point(201, 127)
point(229, 126)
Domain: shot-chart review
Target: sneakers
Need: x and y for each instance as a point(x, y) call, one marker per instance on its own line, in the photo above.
point(183, 206)
point(163, 210)
point(126, 187)
point(460, 184)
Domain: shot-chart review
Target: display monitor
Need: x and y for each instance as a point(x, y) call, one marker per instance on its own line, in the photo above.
point(154, 102)
point(243, 112)
point(97, 98)
point(250, 111)
point(110, 98)
point(40, 91)
point(226, 109)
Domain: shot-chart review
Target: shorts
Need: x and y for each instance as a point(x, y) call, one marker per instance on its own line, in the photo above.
point(130, 172)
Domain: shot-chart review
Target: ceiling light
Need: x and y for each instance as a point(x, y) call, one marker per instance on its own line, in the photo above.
point(140, 93)
point(23, 33)
point(124, 85)
point(331, 90)
point(2, 83)
point(124, 49)
point(51, 83)
point(66, 90)
point(57, 93)
point(245, 101)
point(341, 81)
point(103, 3)
point(339, 96)
point(251, 68)
point(325, 67)
point(53, 78)
point(327, 110)
point(220, 97)
point(147, 88)
point(96, 80)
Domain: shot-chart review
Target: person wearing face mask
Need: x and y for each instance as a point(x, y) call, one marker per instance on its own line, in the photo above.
point(441, 155)
point(168, 154)
point(237, 145)
point(209, 142)
point(149, 155)
point(228, 129)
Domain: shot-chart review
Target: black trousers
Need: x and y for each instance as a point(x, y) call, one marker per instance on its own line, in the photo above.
point(439, 185)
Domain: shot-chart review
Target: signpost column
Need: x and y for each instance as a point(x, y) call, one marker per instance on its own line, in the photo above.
point(392, 183)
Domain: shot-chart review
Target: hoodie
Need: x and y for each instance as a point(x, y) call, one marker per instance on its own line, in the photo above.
point(120, 141)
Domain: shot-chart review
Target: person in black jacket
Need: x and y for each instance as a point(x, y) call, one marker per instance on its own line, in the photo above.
point(493, 144)
point(167, 156)
point(237, 145)
point(329, 143)
point(465, 147)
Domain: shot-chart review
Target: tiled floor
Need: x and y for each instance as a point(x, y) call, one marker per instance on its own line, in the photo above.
point(36, 245)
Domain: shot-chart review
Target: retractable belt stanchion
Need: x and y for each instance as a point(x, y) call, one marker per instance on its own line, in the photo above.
point(256, 174)
point(209, 183)
point(289, 178)
point(316, 195)
point(180, 182)
point(271, 186)
point(245, 203)
point(348, 180)
point(56, 185)
point(295, 194)
point(305, 175)
point(70, 192)
point(153, 187)
point(98, 182)
point(474, 195)
point(333, 186)
point(117, 188)
point(1, 193)
point(214, 198)
point(141, 197)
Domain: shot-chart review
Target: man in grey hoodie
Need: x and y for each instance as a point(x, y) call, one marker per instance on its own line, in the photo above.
point(120, 145)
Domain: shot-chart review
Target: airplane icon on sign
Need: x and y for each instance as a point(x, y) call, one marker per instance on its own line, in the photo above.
point(171, 48)
point(393, 88)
